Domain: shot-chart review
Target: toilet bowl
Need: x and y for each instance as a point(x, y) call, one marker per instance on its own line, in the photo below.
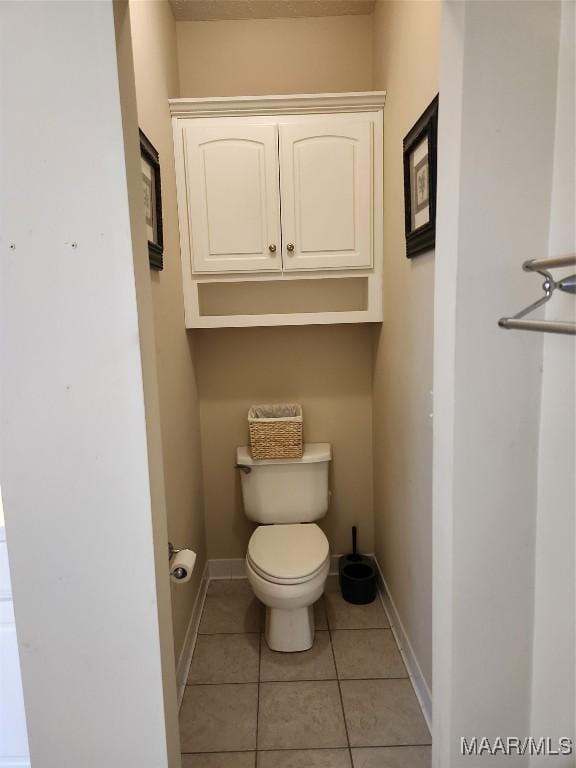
point(287, 567)
point(288, 556)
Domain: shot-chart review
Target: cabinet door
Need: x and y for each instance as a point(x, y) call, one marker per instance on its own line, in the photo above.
point(326, 188)
point(231, 172)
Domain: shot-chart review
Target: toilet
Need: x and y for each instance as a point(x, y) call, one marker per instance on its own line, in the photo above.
point(288, 556)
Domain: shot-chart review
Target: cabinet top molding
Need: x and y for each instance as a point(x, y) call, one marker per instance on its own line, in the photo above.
point(309, 103)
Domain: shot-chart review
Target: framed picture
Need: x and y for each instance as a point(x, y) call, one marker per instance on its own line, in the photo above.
point(152, 201)
point(420, 163)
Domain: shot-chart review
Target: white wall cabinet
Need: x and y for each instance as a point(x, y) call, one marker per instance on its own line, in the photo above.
point(326, 192)
point(280, 189)
point(232, 208)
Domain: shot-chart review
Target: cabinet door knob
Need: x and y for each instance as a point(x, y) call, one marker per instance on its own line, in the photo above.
point(290, 247)
point(272, 248)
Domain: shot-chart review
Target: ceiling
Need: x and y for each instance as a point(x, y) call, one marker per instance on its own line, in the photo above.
point(211, 10)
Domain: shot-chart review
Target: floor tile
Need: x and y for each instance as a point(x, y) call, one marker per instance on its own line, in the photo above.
point(382, 713)
point(366, 653)
point(219, 718)
point(231, 607)
point(220, 760)
point(229, 587)
point(304, 758)
point(300, 716)
point(315, 664)
point(343, 615)
point(320, 620)
point(225, 659)
point(392, 757)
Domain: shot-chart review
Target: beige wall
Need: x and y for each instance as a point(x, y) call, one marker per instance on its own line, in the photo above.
point(265, 56)
point(156, 71)
point(406, 55)
point(327, 369)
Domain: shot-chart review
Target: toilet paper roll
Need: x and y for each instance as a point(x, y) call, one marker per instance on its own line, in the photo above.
point(182, 566)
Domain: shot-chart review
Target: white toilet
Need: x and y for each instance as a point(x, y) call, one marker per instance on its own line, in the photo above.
point(288, 555)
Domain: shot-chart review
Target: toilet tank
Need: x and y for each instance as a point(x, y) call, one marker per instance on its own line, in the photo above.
point(286, 490)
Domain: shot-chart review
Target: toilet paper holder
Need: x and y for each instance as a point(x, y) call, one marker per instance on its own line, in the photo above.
point(178, 573)
point(172, 550)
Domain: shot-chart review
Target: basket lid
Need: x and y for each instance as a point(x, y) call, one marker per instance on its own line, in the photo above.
point(275, 412)
point(313, 452)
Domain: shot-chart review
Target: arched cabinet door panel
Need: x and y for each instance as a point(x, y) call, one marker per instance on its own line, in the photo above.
point(327, 192)
point(231, 175)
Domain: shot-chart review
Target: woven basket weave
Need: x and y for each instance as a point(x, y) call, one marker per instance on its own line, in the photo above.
point(276, 431)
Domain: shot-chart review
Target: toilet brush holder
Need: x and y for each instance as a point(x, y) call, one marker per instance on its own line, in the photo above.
point(357, 576)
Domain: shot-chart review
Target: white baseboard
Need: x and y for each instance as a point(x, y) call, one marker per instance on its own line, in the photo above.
point(185, 658)
point(419, 683)
point(334, 565)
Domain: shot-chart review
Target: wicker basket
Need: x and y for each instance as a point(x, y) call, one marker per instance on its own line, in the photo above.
point(276, 431)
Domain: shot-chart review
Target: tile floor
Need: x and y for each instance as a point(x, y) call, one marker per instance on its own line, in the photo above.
point(346, 703)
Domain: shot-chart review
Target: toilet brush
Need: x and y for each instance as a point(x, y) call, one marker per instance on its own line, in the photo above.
point(357, 576)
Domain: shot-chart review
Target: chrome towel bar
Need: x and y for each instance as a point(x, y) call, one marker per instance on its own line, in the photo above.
point(566, 284)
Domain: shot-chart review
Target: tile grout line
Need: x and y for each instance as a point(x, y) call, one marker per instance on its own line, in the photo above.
point(336, 629)
point(258, 696)
point(306, 749)
point(339, 688)
point(301, 680)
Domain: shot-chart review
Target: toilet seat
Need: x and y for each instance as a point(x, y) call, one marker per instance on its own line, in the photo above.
point(288, 554)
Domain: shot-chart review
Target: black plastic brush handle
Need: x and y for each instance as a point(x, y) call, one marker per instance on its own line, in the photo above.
point(354, 540)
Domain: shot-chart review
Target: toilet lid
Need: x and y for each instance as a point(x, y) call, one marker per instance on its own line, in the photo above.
point(288, 551)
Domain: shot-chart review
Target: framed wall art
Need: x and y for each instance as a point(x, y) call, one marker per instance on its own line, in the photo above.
point(420, 173)
point(152, 190)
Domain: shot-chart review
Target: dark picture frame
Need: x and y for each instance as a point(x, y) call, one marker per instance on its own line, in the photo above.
point(152, 189)
point(420, 176)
